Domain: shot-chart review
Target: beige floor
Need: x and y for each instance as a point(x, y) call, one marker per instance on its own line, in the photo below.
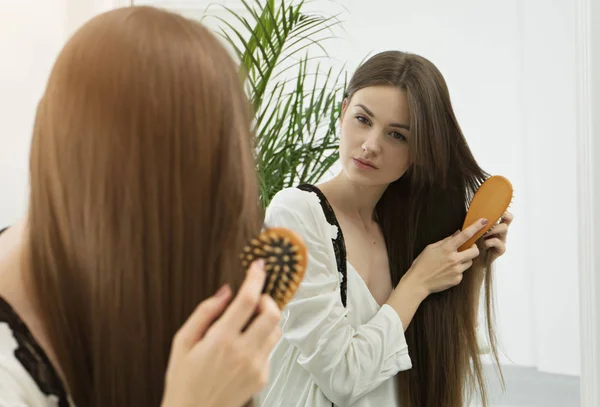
point(526, 387)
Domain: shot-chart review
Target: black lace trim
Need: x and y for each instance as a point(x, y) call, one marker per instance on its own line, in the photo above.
point(339, 246)
point(32, 356)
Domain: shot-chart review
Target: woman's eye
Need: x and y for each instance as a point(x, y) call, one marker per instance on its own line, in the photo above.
point(398, 136)
point(362, 119)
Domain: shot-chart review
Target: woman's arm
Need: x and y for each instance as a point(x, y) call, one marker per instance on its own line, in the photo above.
point(438, 267)
point(406, 299)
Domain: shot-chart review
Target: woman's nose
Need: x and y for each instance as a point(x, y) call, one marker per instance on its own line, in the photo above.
point(372, 145)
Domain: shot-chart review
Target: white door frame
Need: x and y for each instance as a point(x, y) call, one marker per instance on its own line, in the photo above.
point(588, 150)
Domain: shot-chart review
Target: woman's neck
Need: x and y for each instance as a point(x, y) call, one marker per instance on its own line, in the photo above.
point(353, 200)
point(15, 289)
point(12, 283)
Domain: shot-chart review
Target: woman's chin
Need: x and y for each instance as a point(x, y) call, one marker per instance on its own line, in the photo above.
point(363, 179)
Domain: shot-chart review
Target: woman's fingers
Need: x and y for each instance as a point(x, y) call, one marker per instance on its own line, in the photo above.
point(469, 254)
point(466, 265)
point(445, 240)
point(200, 320)
point(500, 229)
point(264, 324)
point(507, 218)
point(458, 240)
point(496, 244)
point(271, 341)
point(243, 306)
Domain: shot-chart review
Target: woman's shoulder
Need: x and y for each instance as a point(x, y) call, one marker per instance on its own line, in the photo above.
point(303, 200)
point(300, 208)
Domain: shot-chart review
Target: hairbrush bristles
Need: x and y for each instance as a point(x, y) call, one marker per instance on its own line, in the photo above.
point(285, 256)
point(491, 201)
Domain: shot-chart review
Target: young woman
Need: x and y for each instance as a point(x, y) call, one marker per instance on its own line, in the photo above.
point(142, 184)
point(384, 275)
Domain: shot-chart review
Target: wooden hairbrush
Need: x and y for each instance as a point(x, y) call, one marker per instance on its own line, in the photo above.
point(285, 256)
point(491, 201)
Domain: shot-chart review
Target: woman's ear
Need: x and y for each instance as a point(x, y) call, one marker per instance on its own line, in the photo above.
point(344, 106)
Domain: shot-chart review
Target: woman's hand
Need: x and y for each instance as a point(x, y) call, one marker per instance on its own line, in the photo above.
point(218, 365)
point(440, 266)
point(494, 243)
point(495, 239)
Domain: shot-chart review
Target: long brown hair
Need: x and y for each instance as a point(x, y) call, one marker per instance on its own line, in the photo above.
point(143, 191)
point(427, 204)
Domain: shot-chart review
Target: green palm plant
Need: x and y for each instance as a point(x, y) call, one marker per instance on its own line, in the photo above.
point(296, 101)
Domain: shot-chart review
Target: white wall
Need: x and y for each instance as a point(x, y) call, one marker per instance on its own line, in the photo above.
point(549, 91)
point(31, 34)
point(79, 11)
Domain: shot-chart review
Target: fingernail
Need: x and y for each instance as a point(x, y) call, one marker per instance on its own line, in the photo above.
point(257, 266)
point(222, 291)
point(484, 221)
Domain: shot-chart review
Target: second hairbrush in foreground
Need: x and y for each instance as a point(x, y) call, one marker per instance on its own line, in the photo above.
point(285, 256)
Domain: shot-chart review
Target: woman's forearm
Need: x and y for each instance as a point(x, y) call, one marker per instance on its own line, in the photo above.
point(409, 294)
point(406, 299)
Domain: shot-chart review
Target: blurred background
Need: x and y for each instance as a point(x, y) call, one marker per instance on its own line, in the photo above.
point(512, 73)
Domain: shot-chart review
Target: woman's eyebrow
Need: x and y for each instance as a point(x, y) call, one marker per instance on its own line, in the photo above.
point(370, 113)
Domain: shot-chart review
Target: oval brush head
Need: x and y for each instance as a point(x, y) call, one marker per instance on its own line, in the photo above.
point(285, 256)
point(490, 201)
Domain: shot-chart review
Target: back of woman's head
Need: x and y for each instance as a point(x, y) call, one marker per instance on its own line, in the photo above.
point(427, 204)
point(143, 191)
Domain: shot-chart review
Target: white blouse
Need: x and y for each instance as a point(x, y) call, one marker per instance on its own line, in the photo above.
point(329, 353)
point(27, 379)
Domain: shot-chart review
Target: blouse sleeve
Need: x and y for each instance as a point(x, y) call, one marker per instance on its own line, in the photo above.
point(12, 392)
point(17, 387)
point(345, 362)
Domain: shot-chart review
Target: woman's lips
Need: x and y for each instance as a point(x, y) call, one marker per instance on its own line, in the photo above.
point(363, 164)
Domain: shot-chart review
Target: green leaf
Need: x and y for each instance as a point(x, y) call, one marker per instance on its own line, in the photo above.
point(297, 105)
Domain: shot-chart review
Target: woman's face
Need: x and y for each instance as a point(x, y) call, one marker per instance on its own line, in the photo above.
point(375, 129)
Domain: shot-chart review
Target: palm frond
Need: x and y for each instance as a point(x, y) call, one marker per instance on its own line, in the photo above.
point(296, 98)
